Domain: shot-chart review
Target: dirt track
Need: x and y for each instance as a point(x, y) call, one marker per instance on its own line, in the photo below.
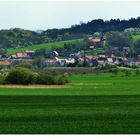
point(71, 71)
point(34, 86)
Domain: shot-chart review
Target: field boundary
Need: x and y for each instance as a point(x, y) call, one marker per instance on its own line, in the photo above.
point(34, 86)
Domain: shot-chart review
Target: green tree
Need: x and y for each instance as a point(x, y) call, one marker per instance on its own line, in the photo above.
point(137, 47)
point(20, 76)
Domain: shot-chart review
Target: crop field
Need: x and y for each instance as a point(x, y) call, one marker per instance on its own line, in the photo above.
point(47, 46)
point(90, 104)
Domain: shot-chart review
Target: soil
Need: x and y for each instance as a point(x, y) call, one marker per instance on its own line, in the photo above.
point(34, 86)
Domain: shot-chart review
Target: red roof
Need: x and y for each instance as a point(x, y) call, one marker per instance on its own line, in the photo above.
point(88, 57)
point(21, 55)
point(135, 59)
point(5, 63)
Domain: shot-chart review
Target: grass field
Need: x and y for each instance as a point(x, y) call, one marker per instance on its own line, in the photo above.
point(47, 46)
point(136, 37)
point(93, 104)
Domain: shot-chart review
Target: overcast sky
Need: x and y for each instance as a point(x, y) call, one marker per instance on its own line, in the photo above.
point(35, 15)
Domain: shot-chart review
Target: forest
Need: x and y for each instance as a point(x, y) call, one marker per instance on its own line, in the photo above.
point(16, 37)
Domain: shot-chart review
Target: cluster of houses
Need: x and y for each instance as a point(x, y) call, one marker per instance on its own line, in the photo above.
point(8, 61)
point(74, 60)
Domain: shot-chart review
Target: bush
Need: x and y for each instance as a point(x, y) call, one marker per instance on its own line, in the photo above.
point(25, 77)
point(63, 80)
point(127, 72)
point(2, 80)
point(26, 65)
point(115, 71)
point(20, 76)
point(137, 72)
point(46, 79)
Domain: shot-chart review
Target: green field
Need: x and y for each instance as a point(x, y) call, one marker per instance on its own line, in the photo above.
point(136, 37)
point(48, 46)
point(92, 104)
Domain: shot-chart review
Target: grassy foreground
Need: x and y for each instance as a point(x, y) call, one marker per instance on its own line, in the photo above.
point(93, 104)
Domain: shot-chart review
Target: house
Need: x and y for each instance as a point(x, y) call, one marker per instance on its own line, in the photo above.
point(91, 47)
point(110, 60)
point(5, 64)
point(119, 61)
point(120, 49)
point(51, 62)
point(3, 56)
point(98, 41)
point(133, 61)
point(19, 56)
point(55, 53)
point(126, 49)
point(89, 60)
point(75, 55)
point(70, 61)
point(61, 61)
point(136, 61)
point(22, 55)
point(102, 59)
point(13, 56)
point(30, 53)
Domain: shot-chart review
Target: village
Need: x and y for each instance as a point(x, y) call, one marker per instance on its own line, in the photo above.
point(77, 59)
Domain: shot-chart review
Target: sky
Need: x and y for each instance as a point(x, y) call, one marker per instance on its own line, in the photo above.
point(42, 15)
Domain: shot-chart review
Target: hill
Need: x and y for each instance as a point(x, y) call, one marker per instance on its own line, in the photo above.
point(97, 25)
point(17, 37)
point(47, 46)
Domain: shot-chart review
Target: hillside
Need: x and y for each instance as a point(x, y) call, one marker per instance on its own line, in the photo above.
point(97, 25)
point(17, 37)
point(47, 46)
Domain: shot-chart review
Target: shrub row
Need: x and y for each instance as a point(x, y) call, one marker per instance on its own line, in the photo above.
point(126, 72)
point(25, 77)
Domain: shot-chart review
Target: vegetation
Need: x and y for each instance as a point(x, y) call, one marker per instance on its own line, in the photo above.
point(92, 104)
point(97, 25)
point(21, 76)
point(136, 38)
point(47, 46)
point(15, 38)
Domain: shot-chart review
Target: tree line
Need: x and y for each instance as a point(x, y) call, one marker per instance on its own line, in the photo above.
point(17, 37)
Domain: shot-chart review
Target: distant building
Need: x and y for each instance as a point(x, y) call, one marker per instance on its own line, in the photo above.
point(51, 62)
point(97, 42)
point(5, 64)
point(30, 53)
point(3, 56)
point(19, 56)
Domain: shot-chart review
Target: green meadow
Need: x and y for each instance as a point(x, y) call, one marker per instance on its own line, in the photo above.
point(47, 46)
point(135, 37)
point(90, 104)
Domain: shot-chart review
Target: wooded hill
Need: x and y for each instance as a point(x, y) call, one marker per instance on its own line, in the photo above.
point(14, 38)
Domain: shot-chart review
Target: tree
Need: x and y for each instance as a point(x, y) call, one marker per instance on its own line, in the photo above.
point(115, 71)
point(137, 72)
point(25, 65)
point(39, 62)
point(137, 47)
point(117, 39)
point(127, 72)
point(20, 76)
